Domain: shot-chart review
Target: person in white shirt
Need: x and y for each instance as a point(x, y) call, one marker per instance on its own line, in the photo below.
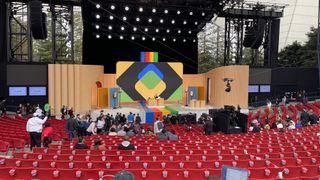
point(158, 126)
point(34, 128)
point(39, 111)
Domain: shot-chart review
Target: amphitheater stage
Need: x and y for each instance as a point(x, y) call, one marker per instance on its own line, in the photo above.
point(148, 115)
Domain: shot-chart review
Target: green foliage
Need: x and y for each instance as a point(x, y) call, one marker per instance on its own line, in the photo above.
point(300, 55)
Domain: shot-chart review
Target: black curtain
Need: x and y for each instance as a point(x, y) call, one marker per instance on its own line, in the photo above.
point(3, 49)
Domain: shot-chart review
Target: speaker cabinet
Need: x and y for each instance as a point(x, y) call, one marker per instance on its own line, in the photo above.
point(38, 20)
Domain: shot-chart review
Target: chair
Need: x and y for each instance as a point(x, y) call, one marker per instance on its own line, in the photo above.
point(4, 147)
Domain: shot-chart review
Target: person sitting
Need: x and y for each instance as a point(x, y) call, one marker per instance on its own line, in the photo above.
point(80, 144)
point(148, 132)
point(112, 132)
point(126, 145)
point(47, 133)
point(158, 126)
point(97, 145)
point(122, 132)
point(172, 135)
point(163, 135)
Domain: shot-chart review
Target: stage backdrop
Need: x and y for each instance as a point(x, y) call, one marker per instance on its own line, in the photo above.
point(140, 81)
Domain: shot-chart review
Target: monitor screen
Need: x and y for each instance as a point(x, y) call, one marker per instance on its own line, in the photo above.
point(265, 88)
point(232, 173)
point(253, 89)
point(38, 91)
point(17, 91)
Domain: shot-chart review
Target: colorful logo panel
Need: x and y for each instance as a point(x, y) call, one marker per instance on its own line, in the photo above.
point(140, 81)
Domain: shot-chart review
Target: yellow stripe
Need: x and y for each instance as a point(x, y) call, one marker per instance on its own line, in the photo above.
point(151, 56)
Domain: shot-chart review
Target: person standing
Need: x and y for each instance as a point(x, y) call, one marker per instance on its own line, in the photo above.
point(158, 126)
point(130, 117)
point(72, 127)
point(3, 107)
point(34, 128)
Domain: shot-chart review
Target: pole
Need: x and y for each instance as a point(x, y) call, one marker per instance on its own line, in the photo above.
point(318, 43)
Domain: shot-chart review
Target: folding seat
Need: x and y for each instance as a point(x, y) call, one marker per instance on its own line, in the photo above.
point(38, 150)
point(292, 172)
point(263, 173)
point(68, 151)
point(15, 173)
point(311, 171)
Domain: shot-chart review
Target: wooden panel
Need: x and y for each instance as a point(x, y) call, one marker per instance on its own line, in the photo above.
point(201, 93)
point(77, 84)
point(51, 87)
point(191, 80)
point(57, 87)
point(102, 97)
point(71, 84)
point(109, 81)
point(64, 84)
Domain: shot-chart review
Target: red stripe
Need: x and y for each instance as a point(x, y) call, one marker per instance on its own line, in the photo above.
point(147, 57)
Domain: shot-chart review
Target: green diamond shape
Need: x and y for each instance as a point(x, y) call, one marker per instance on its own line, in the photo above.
point(150, 80)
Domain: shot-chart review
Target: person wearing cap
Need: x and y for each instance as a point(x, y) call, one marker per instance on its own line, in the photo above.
point(34, 128)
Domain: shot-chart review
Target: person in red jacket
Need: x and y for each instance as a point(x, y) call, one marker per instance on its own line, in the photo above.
point(47, 134)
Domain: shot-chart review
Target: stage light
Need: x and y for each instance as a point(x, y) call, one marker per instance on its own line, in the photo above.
point(146, 29)
point(126, 8)
point(203, 14)
point(190, 13)
point(174, 40)
point(121, 37)
point(111, 17)
point(97, 27)
point(134, 29)
point(166, 11)
point(122, 28)
point(112, 7)
point(154, 10)
point(137, 19)
point(132, 37)
point(168, 30)
point(194, 40)
point(164, 39)
point(110, 27)
point(98, 6)
point(153, 39)
point(173, 21)
point(124, 18)
point(178, 12)
point(157, 30)
point(97, 36)
point(161, 21)
point(184, 40)
point(196, 23)
point(150, 20)
point(143, 38)
point(179, 31)
point(189, 32)
point(184, 22)
point(140, 9)
point(97, 16)
point(109, 36)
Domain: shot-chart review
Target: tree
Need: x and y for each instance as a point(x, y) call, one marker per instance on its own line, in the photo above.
point(298, 55)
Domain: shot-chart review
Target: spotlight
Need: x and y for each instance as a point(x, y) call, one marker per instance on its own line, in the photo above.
point(97, 27)
point(98, 6)
point(179, 31)
point(174, 40)
point(166, 11)
point(203, 14)
point(173, 21)
point(164, 39)
point(157, 30)
point(97, 36)
point(150, 20)
point(184, 40)
point(190, 13)
point(110, 27)
point(194, 40)
point(146, 29)
point(154, 10)
point(109, 36)
point(134, 29)
point(168, 30)
point(122, 28)
point(132, 37)
point(121, 37)
point(97, 16)
point(126, 8)
point(137, 19)
point(112, 7)
point(184, 22)
point(140, 9)
point(189, 32)
point(111, 17)
point(178, 12)
point(161, 21)
point(153, 39)
point(196, 23)
point(124, 18)
point(143, 38)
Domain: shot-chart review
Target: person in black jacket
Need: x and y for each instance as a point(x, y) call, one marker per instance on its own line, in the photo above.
point(304, 118)
point(80, 144)
point(208, 127)
point(72, 127)
point(126, 145)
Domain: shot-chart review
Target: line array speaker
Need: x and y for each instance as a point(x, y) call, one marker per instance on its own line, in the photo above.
point(38, 20)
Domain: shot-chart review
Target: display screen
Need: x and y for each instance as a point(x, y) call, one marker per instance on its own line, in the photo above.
point(17, 91)
point(265, 88)
point(253, 89)
point(38, 91)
